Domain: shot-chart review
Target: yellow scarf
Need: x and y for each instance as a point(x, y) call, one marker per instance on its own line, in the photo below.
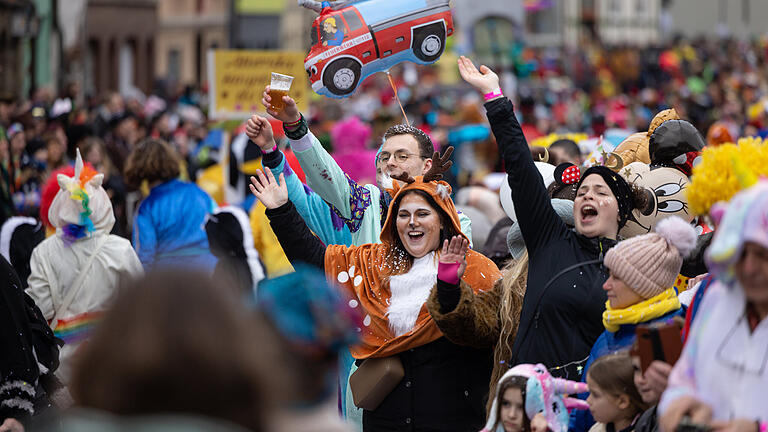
point(644, 311)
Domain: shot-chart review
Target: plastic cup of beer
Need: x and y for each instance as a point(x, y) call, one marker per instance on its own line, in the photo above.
point(278, 88)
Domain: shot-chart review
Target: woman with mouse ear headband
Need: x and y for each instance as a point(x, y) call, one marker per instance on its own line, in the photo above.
point(562, 310)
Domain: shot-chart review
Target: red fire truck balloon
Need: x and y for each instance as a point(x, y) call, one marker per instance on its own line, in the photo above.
point(368, 36)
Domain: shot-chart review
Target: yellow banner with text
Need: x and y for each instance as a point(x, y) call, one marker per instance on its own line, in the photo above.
point(238, 77)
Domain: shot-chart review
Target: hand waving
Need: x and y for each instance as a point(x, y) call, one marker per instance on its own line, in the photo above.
point(455, 251)
point(268, 190)
point(260, 132)
point(539, 423)
point(485, 80)
point(288, 114)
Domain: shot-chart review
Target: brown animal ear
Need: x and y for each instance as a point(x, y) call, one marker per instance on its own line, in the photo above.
point(440, 164)
point(404, 177)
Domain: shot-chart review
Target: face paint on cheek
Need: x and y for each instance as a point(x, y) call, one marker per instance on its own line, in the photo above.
point(603, 203)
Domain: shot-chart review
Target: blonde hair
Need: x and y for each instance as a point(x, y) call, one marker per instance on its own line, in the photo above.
point(513, 284)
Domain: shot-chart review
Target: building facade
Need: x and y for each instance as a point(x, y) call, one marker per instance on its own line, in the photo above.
point(119, 41)
point(29, 47)
point(187, 29)
point(739, 18)
point(628, 22)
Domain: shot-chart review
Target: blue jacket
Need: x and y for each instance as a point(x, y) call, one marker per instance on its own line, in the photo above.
point(168, 230)
point(609, 343)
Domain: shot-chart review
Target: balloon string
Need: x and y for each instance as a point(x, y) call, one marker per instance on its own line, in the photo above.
point(392, 83)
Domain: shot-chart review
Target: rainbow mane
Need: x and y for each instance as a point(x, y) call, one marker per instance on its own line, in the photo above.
point(77, 192)
point(86, 175)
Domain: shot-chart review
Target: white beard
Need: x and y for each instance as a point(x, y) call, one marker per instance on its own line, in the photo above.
point(409, 292)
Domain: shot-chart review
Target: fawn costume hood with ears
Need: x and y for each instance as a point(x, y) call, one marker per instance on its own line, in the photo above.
point(543, 394)
point(365, 271)
point(81, 206)
point(432, 184)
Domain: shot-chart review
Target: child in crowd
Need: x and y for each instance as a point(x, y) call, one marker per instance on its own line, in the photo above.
point(650, 384)
point(529, 399)
point(613, 398)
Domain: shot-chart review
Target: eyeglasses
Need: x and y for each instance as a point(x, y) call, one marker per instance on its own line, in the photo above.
point(400, 157)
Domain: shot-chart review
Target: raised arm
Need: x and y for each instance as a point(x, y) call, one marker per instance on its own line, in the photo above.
point(317, 214)
point(538, 221)
point(292, 232)
point(324, 175)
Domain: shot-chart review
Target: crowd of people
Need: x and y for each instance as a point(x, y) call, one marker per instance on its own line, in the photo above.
point(577, 244)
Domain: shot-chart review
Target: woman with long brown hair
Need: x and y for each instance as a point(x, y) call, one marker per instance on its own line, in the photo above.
point(442, 385)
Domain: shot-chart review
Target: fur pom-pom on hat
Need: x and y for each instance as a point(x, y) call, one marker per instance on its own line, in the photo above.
point(678, 233)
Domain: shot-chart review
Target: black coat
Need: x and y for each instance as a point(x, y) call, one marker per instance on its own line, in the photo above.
point(445, 385)
point(648, 422)
point(562, 310)
point(22, 331)
point(444, 389)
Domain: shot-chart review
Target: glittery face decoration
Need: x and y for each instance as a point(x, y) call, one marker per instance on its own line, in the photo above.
point(595, 209)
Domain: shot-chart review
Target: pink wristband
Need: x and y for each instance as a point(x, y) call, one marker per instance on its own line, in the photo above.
point(763, 426)
point(270, 151)
point(494, 94)
point(448, 272)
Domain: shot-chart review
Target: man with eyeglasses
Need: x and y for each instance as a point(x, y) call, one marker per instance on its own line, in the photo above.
point(362, 208)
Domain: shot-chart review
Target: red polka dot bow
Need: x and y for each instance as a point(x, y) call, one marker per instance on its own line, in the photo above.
point(571, 175)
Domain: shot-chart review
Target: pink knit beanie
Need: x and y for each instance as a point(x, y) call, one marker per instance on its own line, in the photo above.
point(650, 263)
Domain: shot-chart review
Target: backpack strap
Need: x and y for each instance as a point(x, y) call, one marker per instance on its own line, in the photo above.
point(75, 287)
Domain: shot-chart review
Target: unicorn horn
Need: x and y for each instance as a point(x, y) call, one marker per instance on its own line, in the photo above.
point(563, 386)
point(78, 165)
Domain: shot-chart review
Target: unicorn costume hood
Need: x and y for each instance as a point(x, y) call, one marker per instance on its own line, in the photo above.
point(81, 206)
point(543, 394)
point(75, 273)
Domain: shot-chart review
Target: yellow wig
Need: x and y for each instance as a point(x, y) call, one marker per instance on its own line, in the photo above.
point(546, 141)
point(725, 170)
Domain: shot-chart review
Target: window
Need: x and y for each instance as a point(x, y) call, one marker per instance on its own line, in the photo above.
point(353, 21)
point(174, 63)
point(542, 21)
point(333, 31)
point(313, 35)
